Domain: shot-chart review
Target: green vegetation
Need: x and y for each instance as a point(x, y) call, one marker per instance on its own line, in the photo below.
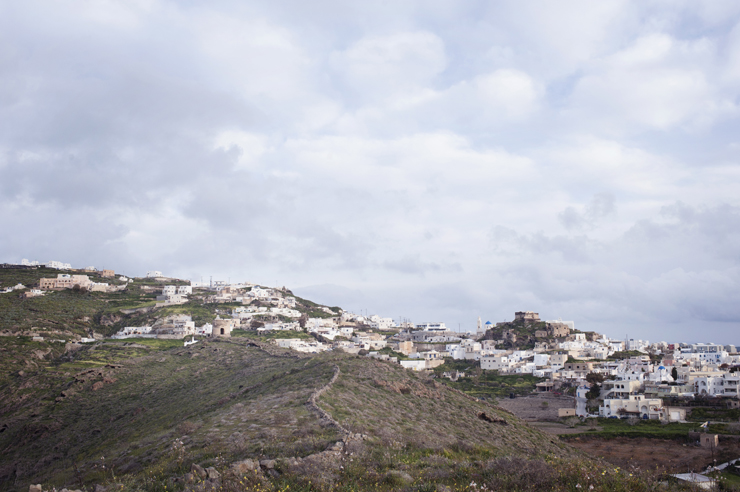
point(81, 313)
point(271, 335)
point(702, 414)
point(486, 384)
point(611, 428)
point(626, 354)
point(147, 409)
point(392, 353)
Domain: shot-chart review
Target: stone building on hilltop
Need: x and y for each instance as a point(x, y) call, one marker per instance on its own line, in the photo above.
point(527, 317)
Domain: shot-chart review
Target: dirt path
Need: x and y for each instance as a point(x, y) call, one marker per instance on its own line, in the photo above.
point(557, 428)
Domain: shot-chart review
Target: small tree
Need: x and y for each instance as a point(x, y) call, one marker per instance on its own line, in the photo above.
point(674, 373)
point(594, 392)
point(594, 378)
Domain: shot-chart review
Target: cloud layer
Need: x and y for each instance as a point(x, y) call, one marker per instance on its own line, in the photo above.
point(431, 160)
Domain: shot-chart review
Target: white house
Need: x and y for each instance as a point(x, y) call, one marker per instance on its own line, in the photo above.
point(154, 274)
point(133, 331)
point(58, 265)
point(709, 385)
point(205, 330)
point(495, 362)
point(416, 365)
point(438, 326)
point(637, 405)
point(541, 360)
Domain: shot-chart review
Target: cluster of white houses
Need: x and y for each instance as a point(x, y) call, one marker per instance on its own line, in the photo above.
point(633, 386)
point(560, 355)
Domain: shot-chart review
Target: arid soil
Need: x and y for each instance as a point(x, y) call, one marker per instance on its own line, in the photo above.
point(539, 407)
point(674, 456)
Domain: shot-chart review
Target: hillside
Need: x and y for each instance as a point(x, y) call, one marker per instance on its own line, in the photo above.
point(69, 313)
point(240, 413)
point(141, 413)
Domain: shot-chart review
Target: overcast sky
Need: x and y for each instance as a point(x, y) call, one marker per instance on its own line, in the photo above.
point(436, 160)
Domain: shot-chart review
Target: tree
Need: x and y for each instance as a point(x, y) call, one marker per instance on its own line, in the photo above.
point(674, 374)
point(594, 378)
point(594, 392)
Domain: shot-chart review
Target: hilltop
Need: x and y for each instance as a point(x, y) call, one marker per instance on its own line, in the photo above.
point(75, 313)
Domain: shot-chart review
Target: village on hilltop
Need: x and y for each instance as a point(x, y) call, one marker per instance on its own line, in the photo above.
point(607, 377)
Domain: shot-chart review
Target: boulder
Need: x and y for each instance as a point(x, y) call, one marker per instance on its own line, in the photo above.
point(268, 464)
point(99, 488)
point(337, 446)
point(198, 470)
point(34, 488)
point(97, 386)
point(212, 473)
point(241, 467)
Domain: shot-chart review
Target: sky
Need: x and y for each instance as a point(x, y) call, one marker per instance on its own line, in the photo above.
point(427, 160)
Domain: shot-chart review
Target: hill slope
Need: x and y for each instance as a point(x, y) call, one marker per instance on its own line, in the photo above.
point(226, 400)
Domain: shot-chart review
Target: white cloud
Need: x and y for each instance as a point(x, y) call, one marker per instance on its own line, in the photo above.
point(509, 91)
point(656, 82)
point(382, 66)
point(437, 148)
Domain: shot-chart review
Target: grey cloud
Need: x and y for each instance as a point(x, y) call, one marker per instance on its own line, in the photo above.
point(601, 206)
point(372, 173)
point(413, 264)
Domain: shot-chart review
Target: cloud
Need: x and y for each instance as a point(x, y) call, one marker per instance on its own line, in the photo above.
point(657, 82)
point(601, 206)
point(382, 66)
point(439, 161)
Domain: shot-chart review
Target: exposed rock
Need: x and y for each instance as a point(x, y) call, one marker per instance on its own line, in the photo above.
point(241, 467)
point(337, 446)
point(34, 488)
point(97, 386)
point(109, 319)
point(212, 473)
point(198, 470)
point(41, 354)
point(189, 478)
point(268, 464)
point(99, 488)
point(491, 418)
